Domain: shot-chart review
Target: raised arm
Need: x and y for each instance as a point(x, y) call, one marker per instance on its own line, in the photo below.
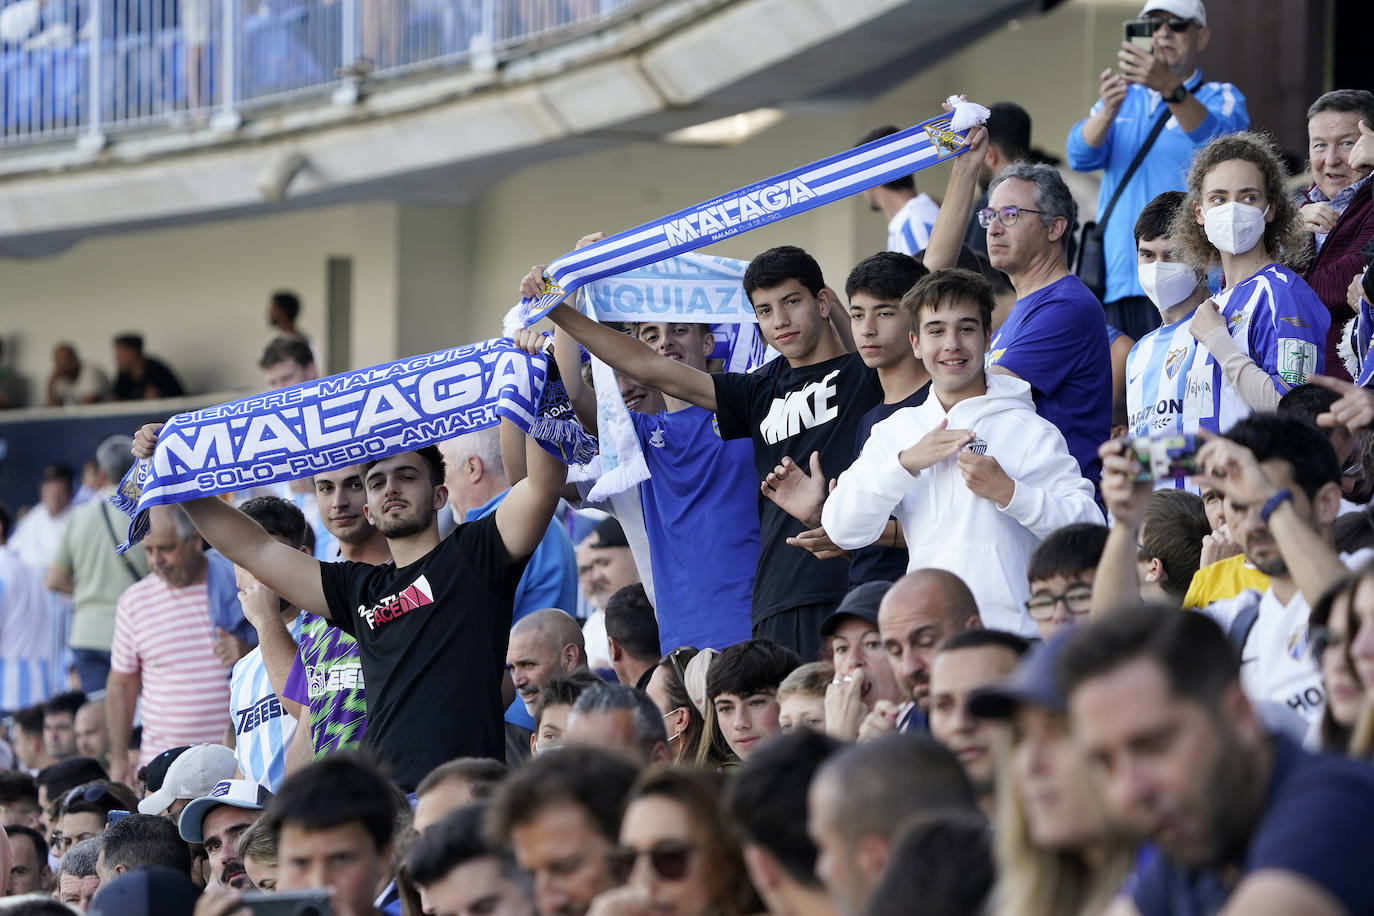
point(288, 572)
point(627, 355)
point(947, 235)
point(1117, 583)
point(569, 358)
point(524, 515)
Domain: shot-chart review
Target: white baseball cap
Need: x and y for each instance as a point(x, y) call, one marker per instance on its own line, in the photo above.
point(1183, 9)
point(191, 775)
point(236, 793)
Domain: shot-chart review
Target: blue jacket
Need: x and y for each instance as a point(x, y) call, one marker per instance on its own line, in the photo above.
point(1165, 167)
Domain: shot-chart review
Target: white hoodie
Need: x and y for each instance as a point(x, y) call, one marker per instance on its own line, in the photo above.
point(945, 524)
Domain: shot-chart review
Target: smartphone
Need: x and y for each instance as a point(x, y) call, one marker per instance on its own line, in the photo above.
point(288, 903)
point(1163, 457)
point(1140, 32)
point(114, 817)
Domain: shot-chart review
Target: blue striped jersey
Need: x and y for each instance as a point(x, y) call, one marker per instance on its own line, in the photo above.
point(25, 672)
point(1276, 318)
point(1156, 374)
point(262, 727)
point(909, 231)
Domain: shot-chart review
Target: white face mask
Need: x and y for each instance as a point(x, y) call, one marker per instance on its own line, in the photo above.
point(1167, 283)
point(1234, 228)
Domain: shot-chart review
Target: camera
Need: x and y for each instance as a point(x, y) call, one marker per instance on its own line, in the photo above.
point(1163, 457)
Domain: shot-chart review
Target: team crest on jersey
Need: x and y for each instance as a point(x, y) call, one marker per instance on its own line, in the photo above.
point(656, 438)
point(1297, 644)
point(977, 446)
point(1235, 319)
point(1174, 361)
point(1297, 360)
point(715, 426)
point(995, 355)
point(1296, 321)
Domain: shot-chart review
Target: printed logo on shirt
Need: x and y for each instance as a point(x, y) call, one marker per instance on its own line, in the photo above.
point(1235, 319)
point(977, 446)
point(715, 425)
point(261, 712)
point(1296, 321)
point(656, 438)
point(1173, 361)
point(807, 408)
point(321, 680)
point(393, 606)
point(1159, 415)
point(1309, 699)
point(995, 355)
point(1297, 360)
point(1297, 644)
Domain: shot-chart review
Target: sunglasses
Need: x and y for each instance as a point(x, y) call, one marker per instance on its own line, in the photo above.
point(92, 793)
point(678, 659)
point(1174, 23)
point(668, 859)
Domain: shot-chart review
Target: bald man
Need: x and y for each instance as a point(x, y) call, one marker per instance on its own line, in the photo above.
point(543, 645)
point(921, 610)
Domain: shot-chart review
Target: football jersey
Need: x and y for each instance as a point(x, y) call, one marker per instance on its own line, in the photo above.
point(1156, 374)
point(1276, 318)
point(909, 231)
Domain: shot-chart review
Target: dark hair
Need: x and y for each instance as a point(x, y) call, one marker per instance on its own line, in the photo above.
point(942, 858)
point(767, 798)
point(68, 702)
point(67, 774)
point(1195, 655)
point(886, 276)
point(934, 289)
point(879, 784)
point(648, 721)
point(1354, 101)
point(752, 666)
point(982, 638)
point(563, 691)
point(132, 341)
point(905, 182)
point(595, 780)
point(1157, 218)
point(288, 302)
point(284, 348)
point(1009, 127)
point(115, 797)
point(30, 719)
point(1308, 401)
point(431, 456)
point(482, 773)
point(450, 842)
point(1174, 524)
point(1067, 551)
point(146, 839)
point(631, 622)
point(6, 527)
point(40, 845)
point(279, 518)
point(62, 472)
point(333, 791)
point(776, 266)
point(1293, 439)
point(17, 786)
point(717, 752)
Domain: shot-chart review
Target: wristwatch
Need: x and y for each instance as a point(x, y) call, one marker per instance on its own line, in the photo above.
point(1177, 95)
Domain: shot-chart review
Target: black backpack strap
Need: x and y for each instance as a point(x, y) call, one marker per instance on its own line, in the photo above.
point(1239, 630)
point(1135, 164)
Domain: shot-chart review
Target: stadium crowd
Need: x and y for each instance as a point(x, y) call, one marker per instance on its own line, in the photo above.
point(979, 597)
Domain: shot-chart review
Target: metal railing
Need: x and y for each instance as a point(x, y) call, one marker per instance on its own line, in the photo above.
point(85, 69)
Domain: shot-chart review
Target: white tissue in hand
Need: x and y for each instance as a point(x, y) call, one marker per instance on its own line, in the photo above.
point(965, 114)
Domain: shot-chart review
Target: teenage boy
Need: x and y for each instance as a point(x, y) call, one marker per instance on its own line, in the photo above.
point(986, 479)
point(1060, 574)
point(812, 402)
point(742, 689)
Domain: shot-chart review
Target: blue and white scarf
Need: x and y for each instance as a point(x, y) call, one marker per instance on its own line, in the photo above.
point(350, 418)
point(831, 179)
point(690, 288)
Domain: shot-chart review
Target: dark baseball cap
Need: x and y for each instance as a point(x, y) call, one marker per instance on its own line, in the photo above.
point(861, 602)
point(608, 533)
point(1032, 683)
point(156, 770)
point(151, 890)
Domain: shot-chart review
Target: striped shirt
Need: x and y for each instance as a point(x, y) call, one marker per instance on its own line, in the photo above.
point(165, 636)
point(262, 728)
point(24, 663)
point(1156, 378)
point(909, 231)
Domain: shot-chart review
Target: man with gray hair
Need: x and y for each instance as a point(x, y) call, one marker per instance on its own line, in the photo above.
point(622, 720)
point(1055, 337)
point(543, 645)
point(163, 650)
point(86, 567)
point(77, 878)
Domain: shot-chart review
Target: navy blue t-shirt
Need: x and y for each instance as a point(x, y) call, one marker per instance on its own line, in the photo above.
point(1056, 340)
point(881, 564)
point(701, 516)
point(1316, 824)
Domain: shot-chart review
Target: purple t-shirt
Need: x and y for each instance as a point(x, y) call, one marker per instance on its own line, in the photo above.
point(327, 678)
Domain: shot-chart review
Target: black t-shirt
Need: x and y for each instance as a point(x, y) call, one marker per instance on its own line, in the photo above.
point(881, 564)
point(156, 375)
point(796, 411)
point(432, 642)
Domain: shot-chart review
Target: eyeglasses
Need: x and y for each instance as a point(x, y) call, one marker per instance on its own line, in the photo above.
point(668, 859)
point(1079, 600)
point(1008, 215)
point(1174, 23)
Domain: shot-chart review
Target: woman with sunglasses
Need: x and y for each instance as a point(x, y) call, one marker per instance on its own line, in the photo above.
point(85, 811)
point(677, 855)
point(684, 722)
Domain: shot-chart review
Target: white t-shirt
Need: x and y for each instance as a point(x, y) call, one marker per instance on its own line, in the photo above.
point(909, 231)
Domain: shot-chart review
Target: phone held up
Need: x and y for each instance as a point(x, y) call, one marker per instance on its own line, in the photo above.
point(289, 903)
point(1165, 457)
point(1140, 32)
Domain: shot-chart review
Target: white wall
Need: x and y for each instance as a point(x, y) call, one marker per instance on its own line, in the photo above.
point(431, 276)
